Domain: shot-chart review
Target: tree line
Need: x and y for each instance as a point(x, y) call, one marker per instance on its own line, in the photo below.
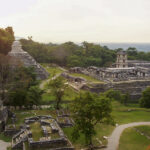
point(70, 54)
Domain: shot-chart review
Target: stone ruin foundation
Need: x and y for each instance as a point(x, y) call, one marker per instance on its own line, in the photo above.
point(64, 118)
point(49, 126)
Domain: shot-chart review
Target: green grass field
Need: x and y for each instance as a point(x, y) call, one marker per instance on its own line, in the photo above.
point(69, 95)
point(52, 70)
point(36, 131)
point(121, 114)
point(130, 113)
point(132, 140)
point(88, 78)
point(5, 138)
point(144, 129)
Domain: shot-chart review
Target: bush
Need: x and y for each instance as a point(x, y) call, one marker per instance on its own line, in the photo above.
point(145, 99)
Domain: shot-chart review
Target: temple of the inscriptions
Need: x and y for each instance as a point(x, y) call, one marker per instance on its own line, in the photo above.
point(27, 60)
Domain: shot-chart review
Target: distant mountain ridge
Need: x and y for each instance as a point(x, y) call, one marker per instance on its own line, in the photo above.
point(139, 46)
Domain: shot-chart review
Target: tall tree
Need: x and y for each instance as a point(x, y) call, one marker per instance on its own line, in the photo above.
point(145, 99)
point(4, 76)
point(22, 79)
point(89, 110)
point(34, 96)
point(6, 40)
point(58, 87)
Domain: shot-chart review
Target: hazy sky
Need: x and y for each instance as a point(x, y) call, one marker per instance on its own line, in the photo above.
point(78, 20)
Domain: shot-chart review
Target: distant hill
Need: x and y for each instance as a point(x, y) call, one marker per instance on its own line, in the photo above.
point(139, 46)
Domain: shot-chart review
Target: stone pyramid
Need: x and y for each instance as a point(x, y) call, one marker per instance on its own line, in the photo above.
point(18, 53)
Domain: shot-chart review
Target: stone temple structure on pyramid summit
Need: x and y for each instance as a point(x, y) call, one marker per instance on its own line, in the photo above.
point(27, 60)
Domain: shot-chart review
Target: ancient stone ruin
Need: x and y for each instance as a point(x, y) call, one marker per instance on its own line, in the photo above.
point(3, 117)
point(123, 70)
point(64, 118)
point(121, 61)
point(27, 60)
point(52, 138)
point(130, 77)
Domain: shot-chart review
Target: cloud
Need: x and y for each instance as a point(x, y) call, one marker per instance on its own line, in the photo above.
point(79, 20)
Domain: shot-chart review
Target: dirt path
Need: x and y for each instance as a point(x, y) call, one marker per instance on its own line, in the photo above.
point(4, 145)
point(46, 81)
point(113, 140)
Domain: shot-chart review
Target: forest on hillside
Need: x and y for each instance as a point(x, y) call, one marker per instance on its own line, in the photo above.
point(70, 54)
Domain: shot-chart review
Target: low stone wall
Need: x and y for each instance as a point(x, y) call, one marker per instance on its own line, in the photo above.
point(49, 143)
point(18, 146)
point(3, 118)
point(133, 88)
point(65, 148)
point(72, 78)
point(34, 107)
point(11, 132)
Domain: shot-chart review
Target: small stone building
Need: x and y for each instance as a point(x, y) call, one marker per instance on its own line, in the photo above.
point(122, 61)
point(28, 61)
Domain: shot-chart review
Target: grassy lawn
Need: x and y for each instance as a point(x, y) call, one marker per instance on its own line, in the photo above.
point(132, 140)
point(102, 130)
point(36, 131)
point(47, 98)
point(144, 129)
point(88, 78)
point(122, 115)
point(69, 95)
point(21, 115)
point(5, 138)
point(52, 70)
point(131, 113)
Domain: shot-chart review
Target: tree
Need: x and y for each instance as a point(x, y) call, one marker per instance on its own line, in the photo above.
point(33, 96)
point(23, 85)
point(113, 95)
point(88, 110)
point(117, 96)
point(132, 51)
point(6, 40)
point(145, 99)
point(4, 76)
point(17, 97)
point(57, 87)
point(125, 98)
point(82, 55)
